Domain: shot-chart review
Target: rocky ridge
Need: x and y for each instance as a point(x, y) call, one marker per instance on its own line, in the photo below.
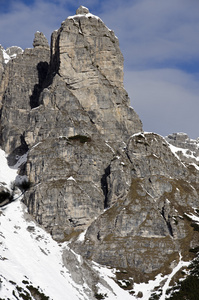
point(67, 124)
point(186, 149)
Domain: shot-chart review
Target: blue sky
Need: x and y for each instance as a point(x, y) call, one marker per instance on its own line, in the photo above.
point(159, 41)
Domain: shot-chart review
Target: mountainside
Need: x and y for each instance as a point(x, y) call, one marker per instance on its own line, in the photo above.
point(98, 190)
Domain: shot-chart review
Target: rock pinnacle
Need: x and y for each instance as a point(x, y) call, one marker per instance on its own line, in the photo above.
point(82, 10)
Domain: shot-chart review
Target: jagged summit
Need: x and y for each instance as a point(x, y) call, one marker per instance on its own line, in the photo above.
point(98, 45)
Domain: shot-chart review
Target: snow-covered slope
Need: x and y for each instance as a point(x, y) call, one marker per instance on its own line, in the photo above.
point(29, 257)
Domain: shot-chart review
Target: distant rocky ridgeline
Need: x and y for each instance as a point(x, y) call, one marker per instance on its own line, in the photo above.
point(91, 166)
point(187, 149)
point(6, 55)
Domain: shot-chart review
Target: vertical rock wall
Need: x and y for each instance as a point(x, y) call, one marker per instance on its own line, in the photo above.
point(68, 110)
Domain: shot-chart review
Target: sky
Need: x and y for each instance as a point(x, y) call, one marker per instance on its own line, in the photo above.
point(159, 41)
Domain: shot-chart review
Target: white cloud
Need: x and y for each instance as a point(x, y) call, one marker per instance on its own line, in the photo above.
point(18, 26)
point(152, 31)
point(166, 100)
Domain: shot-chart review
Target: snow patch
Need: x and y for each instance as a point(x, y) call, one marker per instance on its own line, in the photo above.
point(110, 147)
point(193, 217)
point(186, 152)
point(149, 288)
point(7, 175)
point(6, 57)
point(141, 133)
point(71, 178)
point(88, 15)
point(36, 145)
point(81, 237)
point(181, 264)
point(195, 166)
point(174, 150)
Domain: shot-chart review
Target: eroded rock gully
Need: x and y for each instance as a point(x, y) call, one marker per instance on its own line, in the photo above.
point(91, 167)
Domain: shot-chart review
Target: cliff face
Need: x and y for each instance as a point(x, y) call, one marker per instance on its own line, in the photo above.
point(67, 124)
point(19, 91)
point(146, 228)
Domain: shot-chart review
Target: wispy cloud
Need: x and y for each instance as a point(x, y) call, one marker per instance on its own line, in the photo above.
point(165, 99)
point(156, 32)
point(17, 27)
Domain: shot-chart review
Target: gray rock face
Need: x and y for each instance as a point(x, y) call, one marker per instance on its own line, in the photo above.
point(67, 174)
point(146, 227)
point(86, 47)
point(14, 51)
point(7, 55)
point(187, 149)
point(66, 122)
point(20, 88)
point(71, 114)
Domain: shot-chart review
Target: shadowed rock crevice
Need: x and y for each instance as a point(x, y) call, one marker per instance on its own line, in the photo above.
point(42, 68)
point(18, 152)
point(167, 220)
point(104, 185)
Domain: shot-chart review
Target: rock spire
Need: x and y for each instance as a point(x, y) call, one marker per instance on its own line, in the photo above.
point(40, 40)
